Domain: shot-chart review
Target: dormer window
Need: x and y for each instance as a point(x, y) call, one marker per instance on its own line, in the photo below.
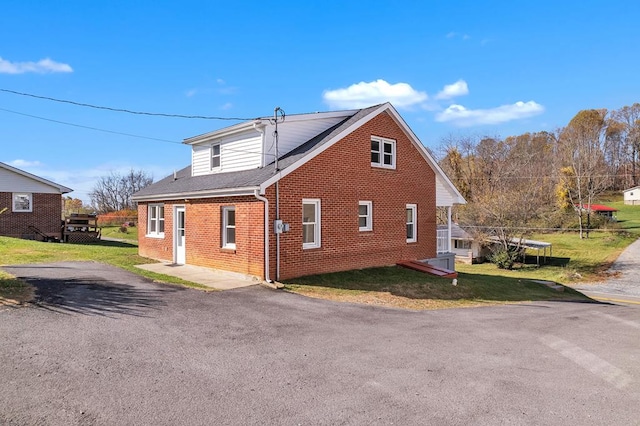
point(215, 156)
point(383, 152)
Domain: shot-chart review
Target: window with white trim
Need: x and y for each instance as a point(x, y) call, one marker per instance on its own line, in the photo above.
point(462, 244)
point(310, 223)
point(365, 216)
point(229, 227)
point(22, 202)
point(383, 152)
point(215, 156)
point(412, 225)
point(155, 220)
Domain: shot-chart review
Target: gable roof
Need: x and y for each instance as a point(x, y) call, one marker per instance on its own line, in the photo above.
point(61, 188)
point(246, 182)
point(631, 189)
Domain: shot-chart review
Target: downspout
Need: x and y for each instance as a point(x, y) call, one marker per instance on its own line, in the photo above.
point(266, 233)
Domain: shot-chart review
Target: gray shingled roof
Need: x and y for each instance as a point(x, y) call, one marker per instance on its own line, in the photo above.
point(187, 184)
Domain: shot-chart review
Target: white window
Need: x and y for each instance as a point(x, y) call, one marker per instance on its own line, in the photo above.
point(215, 156)
point(229, 227)
point(22, 202)
point(383, 152)
point(155, 220)
point(412, 231)
point(462, 244)
point(365, 216)
point(310, 223)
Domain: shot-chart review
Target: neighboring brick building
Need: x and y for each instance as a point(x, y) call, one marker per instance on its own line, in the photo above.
point(351, 189)
point(31, 203)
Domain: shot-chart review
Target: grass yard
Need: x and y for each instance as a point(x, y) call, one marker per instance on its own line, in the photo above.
point(131, 233)
point(573, 259)
point(405, 288)
point(124, 255)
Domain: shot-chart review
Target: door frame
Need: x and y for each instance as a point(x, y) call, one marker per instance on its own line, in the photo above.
point(176, 209)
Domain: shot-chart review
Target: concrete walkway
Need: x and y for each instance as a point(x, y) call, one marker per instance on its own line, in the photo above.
point(214, 278)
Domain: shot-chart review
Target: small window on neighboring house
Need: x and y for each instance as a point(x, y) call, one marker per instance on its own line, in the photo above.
point(383, 152)
point(310, 223)
point(365, 215)
point(215, 156)
point(412, 231)
point(155, 220)
point(462, 244)
point(22, 202)
point(229, 227)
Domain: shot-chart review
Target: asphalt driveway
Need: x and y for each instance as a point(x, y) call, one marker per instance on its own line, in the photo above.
point(103, 346)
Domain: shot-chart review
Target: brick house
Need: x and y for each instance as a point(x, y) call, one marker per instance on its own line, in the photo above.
point(30, 202)
point(349, 190)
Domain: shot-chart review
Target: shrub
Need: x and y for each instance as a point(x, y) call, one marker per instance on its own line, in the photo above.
point(504, 258)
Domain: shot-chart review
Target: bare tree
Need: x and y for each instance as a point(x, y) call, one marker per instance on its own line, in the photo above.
point(585, 176)
point(623, 135)
point(113, 192)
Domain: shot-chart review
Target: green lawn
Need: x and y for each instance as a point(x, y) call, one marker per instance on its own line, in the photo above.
point(405, 288)
point(131, 233)
point(124, 255)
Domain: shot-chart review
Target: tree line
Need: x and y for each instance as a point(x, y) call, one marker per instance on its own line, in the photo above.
point(544, 179)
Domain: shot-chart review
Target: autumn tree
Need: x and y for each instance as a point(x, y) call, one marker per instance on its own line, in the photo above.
point(623, 137)
point(113, 192)
point(74, 205)
point(582, 146)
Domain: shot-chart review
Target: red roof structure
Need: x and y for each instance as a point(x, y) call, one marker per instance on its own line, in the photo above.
point(599, 208)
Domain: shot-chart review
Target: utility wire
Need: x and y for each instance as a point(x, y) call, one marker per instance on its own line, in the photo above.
point(202, 117)
point(89, 127)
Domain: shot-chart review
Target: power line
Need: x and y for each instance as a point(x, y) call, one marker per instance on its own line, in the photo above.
point(89, 127)
point(157, 114)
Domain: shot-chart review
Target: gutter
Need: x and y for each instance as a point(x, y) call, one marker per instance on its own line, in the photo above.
point(266, 234)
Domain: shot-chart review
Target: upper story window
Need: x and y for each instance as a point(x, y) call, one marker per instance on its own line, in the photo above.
point(310, 223)
point(365, 216)
point(412, 231)
point(155, 220)
point(22, 202)
point(215, 156)
point(383, 152)
point(229, 227)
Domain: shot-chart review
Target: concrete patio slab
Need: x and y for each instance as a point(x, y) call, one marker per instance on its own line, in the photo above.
point(214, 278)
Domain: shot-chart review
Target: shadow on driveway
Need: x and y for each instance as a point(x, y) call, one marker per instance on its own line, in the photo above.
point(90, 288)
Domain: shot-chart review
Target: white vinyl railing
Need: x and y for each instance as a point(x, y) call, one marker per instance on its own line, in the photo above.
point(442, 241)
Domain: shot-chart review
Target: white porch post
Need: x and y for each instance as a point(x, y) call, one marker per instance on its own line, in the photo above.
point(449, 227)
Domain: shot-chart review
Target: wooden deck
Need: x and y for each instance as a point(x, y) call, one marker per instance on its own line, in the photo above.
point(428, 269)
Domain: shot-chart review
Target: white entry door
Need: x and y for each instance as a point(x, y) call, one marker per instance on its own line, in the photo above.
point(179, 240)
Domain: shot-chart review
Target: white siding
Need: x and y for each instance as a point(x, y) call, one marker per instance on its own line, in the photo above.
point(14, 182)
point(200, 164)
point(237, 152)
point(444, 197)
point(294, 133)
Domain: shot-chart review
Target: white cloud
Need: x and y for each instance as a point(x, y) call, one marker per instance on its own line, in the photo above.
point(227, 106)
point(220, 81)
point(19, 163)
point(364, 94)
point(459, 88)
point(463, 117)
point(191, 92)
point(454, 34)
point(43, 66)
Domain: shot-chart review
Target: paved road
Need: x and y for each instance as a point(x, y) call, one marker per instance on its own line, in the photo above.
point(627, 283)
point(105, 347)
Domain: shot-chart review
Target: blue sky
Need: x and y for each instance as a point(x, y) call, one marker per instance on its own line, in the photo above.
point(450, 68)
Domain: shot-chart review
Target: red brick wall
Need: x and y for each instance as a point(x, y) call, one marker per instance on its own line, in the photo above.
point(203, 239)
point(46, 215)
point(340, 177)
